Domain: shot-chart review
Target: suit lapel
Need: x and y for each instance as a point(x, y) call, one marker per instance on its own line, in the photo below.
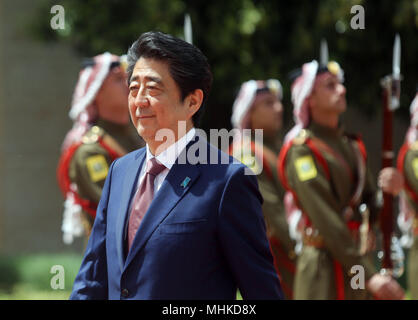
point(177, 183)
point(129, 188)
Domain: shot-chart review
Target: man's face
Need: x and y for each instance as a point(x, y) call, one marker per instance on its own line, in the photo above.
point(267, 113)
point(112, 97)
point(155, 99)
point(328, 94)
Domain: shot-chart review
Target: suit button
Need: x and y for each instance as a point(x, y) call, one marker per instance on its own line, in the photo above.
point(125, 293)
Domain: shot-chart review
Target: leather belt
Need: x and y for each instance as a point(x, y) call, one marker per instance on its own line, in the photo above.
point(312, 238)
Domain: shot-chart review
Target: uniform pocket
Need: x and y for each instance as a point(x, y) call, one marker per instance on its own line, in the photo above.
point(182, 227)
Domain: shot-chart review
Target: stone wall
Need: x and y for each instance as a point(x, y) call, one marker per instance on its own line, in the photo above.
point(36, 83)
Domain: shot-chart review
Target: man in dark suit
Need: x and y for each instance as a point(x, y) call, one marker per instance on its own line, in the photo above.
point(173, 222)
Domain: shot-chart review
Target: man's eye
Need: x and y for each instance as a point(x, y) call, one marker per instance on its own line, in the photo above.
point(153, 90)
point(152, 86)
point(133, 88)
point(270, 103)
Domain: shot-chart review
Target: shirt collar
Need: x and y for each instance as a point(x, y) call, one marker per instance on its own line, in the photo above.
point(326, 132)
point(169, 156)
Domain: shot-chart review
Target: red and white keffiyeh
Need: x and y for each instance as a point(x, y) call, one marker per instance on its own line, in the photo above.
point(83, 110)
point(301, 90)
point(412, 134)
point(247, 97)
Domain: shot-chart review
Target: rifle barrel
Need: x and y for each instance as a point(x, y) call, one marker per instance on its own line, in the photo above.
point(386, 217)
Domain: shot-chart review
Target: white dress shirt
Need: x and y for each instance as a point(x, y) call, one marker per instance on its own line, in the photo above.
point(168, 157)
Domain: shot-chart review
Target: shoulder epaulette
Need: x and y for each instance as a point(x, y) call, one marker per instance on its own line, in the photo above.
point(93, 135)
point(414, 146)
point(358, 138)
point(301, 137)
point(353, 136)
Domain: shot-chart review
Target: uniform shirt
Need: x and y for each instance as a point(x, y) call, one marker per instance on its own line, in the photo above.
point(411, 173)
point(273, 194)
point(324, 200)
point(81, 170)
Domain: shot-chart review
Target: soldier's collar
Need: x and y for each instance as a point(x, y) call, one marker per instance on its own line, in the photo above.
point(111, 127)
point(414, 145)
point(321, 130)
point(273, 142)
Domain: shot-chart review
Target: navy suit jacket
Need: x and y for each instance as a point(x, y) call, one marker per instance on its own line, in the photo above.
point(201, 240)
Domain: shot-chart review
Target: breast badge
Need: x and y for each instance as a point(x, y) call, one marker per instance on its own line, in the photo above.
point(97, 167)
point(305, 168)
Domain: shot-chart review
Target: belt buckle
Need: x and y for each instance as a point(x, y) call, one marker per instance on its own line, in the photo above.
point(348, 213)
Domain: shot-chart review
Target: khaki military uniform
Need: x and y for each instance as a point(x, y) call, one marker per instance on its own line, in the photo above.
point(322, 168)
point(90, 162)
point(409, 168)
point(263, 158)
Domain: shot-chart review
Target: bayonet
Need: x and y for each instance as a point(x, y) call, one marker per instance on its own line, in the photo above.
point(188, 34)
point(396, 64)
point(323, 53)
point(396, 74)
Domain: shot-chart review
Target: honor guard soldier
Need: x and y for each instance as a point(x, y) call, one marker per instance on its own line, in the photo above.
point(404, 182)
point(408, 166)
point(258, 106)
point(325, 172)
point(101, 133)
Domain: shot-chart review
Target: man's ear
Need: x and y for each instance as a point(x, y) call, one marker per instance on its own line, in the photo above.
point(194, 101)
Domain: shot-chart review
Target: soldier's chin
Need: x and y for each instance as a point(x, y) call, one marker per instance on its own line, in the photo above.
point(273, 129)
point(341, 106)
point(279, 125)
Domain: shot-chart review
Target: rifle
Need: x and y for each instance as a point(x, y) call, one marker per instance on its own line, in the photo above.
point(391, 85)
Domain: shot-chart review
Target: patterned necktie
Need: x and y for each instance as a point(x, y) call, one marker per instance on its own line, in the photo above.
point(143, 198)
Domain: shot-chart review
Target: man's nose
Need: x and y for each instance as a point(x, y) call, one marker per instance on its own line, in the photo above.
point(341, 89)
point(141, 100)
point(278, 107)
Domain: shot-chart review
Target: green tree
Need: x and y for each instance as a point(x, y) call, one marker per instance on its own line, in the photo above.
point(246, 39)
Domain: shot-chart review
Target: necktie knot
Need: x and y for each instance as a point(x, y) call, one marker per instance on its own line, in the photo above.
point(154, 167)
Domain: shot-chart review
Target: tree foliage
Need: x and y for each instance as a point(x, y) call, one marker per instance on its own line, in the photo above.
point(254, 39)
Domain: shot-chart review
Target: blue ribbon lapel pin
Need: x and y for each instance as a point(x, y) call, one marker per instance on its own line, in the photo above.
point(185, 182)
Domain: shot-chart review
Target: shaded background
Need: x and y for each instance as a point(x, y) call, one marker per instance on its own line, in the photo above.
point(242, 39)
